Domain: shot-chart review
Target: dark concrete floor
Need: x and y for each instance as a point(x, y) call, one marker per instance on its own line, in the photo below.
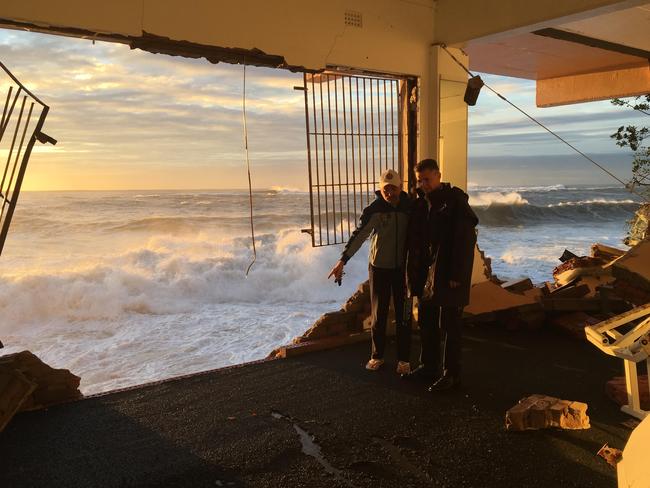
point(373, 429)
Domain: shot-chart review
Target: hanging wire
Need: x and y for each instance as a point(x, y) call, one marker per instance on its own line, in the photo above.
point(248, 169)
point(628, 186)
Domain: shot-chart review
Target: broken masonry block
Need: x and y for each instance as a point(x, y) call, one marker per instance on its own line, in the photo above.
point(518, 286)
point(572, 291)
point(575, 417)
point(579, 266)
point(566, 255)
point(607, 253)
point(330, 324)
point(541, 411)
point(14, 390)
point(359, 299)
point(52, 385)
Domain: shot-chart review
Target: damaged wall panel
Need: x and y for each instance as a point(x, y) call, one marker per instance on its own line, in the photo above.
point(391, 37)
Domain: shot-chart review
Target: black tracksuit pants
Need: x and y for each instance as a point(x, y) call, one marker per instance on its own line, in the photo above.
point(383, 284)
point(440, 337)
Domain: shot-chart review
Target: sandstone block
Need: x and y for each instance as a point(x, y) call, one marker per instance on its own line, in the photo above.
point(540, 412)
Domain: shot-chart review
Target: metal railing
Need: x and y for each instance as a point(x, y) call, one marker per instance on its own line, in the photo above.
point(23, 116)
point(353, 134)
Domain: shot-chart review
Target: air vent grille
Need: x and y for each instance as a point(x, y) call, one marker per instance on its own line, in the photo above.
point(353, 19)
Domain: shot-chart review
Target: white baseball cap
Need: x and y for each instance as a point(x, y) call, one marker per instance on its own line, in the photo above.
point(390, 177)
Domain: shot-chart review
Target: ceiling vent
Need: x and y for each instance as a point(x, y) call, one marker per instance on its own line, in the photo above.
point(353, 19)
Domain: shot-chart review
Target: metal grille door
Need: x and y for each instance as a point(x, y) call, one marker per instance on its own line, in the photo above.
point(23, 116)
point(353, 134)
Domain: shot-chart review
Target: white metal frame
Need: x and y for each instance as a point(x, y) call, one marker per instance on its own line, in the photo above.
point(632, 347)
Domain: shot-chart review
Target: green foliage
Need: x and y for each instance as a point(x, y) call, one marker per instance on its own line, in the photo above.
point(633, 136)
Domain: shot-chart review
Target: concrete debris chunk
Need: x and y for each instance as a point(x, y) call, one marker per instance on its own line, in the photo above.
point(542, 411)
point(606, 253)
point(14, 390)
point(331, 324)
point(611, 455)
point(579, 266)
point(571, 291)
point(518, 286)
point(360, 299)
point(632, 273)
point(52, 385)
point(489, 297)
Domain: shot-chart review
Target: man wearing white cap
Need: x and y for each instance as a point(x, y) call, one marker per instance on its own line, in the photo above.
point(385, 221)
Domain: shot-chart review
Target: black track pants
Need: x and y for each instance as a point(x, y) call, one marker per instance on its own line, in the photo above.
point(383, 284)
point(440, 336)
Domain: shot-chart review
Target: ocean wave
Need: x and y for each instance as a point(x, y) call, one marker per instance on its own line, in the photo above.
point(179, 275)
point(561, 213)
point(595, 201)
point(473, 187)
point(286, 190)
point(484, 199)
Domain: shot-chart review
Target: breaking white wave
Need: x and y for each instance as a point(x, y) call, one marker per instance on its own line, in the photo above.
point(177, 275)
point(283, 189)
point(485, 199)
point(473, 187)
point(171, 305)
point(595, 201)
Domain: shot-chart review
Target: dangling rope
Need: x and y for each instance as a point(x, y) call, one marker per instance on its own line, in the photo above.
point(248, 169)
point(629, 187)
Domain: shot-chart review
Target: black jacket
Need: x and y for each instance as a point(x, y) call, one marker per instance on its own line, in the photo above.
point(441, 231)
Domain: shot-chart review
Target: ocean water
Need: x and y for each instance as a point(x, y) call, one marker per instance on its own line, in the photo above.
point(128, 287)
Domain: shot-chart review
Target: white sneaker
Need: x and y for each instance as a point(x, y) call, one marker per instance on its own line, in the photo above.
point(403, 367)
point(374, 364)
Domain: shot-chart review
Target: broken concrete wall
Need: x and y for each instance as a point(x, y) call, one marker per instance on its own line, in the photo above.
point(632, 273)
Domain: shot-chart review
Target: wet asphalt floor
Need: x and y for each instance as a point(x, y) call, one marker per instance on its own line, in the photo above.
point(322, 420)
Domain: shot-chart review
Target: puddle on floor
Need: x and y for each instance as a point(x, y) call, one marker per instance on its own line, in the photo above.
point(310, 448)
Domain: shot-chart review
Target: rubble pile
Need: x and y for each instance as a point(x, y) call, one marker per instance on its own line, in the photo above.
point(584, 291)
point(27, 383)
point(541, 412)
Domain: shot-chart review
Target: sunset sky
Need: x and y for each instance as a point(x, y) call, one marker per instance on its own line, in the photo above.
point(127, 119)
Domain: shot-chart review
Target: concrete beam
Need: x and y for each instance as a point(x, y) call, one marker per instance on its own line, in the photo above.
point(456, 22)
point(593, 86)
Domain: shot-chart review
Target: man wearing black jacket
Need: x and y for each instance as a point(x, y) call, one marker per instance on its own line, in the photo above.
point(385, 221)
point(441, 241)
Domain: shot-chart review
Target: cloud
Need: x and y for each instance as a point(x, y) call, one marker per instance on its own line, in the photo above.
point(116, 107)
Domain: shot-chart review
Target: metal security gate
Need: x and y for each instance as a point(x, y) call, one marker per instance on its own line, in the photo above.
point(23, 116)
point(354, 132)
